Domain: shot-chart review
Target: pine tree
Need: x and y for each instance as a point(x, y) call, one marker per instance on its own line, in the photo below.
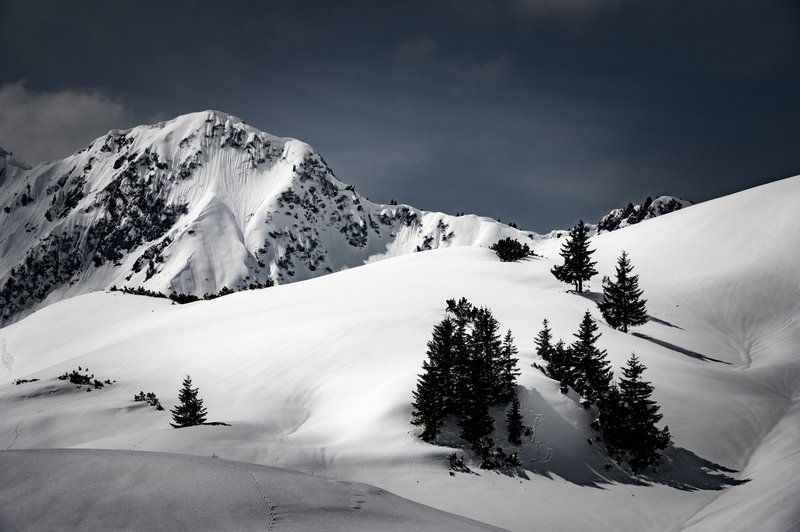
point(514, 422)
point(635, 434)
point(593, 371)
point(622, 305)
point(190, 411)
point(435, 385)
point(485, 349)
point(428, 403)
point(544, 342)
point(508, 368)
point(562, 366)
point(463, 313)
point(578, 266)
point(475, 422)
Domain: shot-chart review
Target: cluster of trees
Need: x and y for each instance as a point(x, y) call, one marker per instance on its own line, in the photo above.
point(80, 379)
point(622, 305)
point(628, 416)
point(181, 298)
point(149, 398)
point(511, 250)
point(469, 369)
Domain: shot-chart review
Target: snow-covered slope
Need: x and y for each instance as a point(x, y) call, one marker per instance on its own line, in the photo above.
point(193, 205)
point(633, 214)
point(317, 375)
point(72, 490)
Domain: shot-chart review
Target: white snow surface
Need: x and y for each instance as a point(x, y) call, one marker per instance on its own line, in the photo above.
point(123, 490)
point(192, 205)
point(317, 375)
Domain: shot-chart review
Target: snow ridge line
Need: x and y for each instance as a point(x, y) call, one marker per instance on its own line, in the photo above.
point(690, 521)
point(270, 507)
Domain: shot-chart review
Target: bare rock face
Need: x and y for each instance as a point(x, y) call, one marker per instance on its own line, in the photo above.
point(633, 214)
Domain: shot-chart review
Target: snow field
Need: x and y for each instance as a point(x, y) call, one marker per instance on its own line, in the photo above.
point(317, 376)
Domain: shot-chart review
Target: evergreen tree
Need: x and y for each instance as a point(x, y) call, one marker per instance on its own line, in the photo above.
point(635, 434)
point(463, 313)
point(482, 384)
point(510, 250)
point(485, 349)
point(475, 422)
point(508, 368)
point(435, 386)
point(622, 305)
point(578, 266)
point(544, 342)
point(428, 403)
point(190, 411)
point(514, 422)
point(593, 373)
point(562, 366)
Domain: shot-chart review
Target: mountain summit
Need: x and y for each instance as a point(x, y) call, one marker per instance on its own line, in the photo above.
point(193, 205)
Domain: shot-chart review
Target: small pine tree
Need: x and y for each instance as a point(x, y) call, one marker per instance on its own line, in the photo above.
point(622, 305)
point(634, 433)
point(544, 342)
point(190, 411)
point(578, 266)
point(508, 368)
point(514, 422)
point(593, 377)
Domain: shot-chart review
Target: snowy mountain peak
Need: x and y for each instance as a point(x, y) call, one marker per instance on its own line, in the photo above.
point(193, 205)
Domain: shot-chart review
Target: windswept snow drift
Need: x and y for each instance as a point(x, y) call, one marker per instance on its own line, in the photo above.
point(317, 376)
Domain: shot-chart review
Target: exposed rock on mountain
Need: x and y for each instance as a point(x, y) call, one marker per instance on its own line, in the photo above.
point(633, 214)
point(193, 205)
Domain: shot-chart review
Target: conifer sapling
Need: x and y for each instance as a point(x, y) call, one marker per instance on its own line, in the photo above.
point(514, 422)
point(190, 411)
point(622, 305)
point(578, 266)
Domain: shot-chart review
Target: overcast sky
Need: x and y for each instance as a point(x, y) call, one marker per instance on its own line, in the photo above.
point(534, 111)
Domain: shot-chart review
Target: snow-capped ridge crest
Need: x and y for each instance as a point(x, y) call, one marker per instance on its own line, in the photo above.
point(195, 204)
point(632, 214)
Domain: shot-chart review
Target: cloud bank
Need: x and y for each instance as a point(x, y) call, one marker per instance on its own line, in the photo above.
point(39, 126)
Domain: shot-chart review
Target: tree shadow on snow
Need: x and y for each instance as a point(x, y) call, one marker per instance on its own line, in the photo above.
point(556, 448)
point(684, 470)
point(594, 297)
point(679, 349)
point(663, 322)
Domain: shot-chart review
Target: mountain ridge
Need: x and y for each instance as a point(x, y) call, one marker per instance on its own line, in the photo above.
point(193, 205)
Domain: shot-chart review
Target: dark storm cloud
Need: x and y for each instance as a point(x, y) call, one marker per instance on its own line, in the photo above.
point(538, 111)
point(42, 126)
